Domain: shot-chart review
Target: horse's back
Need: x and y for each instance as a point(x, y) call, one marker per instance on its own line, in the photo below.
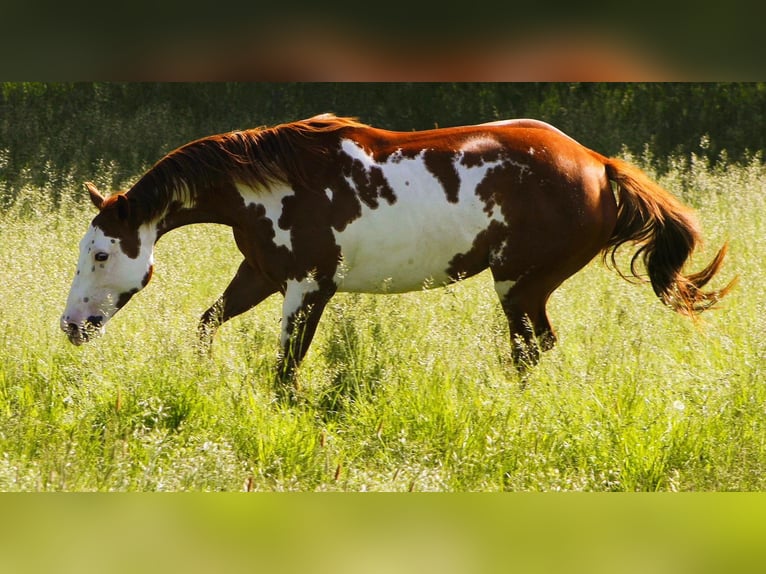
point(394, 211)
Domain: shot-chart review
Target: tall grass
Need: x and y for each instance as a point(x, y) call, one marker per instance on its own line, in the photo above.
point(399, 392)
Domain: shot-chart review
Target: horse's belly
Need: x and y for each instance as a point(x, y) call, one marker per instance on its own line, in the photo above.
point(398, 248)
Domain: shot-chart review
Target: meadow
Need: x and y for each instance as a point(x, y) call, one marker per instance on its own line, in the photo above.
point(412, 392)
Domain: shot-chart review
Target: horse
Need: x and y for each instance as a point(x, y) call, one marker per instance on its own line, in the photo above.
point(329, 204)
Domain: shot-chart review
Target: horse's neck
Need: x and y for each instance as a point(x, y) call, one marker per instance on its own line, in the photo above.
point(177, 216)
point(168, 201)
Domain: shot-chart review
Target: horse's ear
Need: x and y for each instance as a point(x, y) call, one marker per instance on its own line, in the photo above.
point(123, 205)
point(95, 196)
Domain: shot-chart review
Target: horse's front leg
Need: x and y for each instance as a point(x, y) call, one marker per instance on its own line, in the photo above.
point(248, 288)
point(304, 303)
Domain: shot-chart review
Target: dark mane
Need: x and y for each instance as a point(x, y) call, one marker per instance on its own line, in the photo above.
point(258, 157)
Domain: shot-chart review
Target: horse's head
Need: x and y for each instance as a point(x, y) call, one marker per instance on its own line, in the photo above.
point(116, 257)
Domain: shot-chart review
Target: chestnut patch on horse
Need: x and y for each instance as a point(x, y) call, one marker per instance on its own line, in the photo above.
point(307, 216)
point(258, 230)
point(442, 166)
point(115, 221)
point(345, 207)
point(123, 299)
point(478, 257)
point(370, 185)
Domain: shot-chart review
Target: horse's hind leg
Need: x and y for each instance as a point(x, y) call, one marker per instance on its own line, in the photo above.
point(530, 330)
point(248, 288)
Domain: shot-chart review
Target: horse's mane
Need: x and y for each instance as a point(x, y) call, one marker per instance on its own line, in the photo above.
point(258, 157)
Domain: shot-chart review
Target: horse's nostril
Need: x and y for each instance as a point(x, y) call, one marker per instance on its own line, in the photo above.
point(95, 320)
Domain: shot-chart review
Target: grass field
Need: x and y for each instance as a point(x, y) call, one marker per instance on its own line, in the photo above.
point(400, 392)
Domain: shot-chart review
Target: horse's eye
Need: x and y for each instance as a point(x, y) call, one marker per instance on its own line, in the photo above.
point(101, 256)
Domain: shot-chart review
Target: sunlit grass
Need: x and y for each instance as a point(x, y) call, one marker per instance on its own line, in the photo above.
point(401, 392)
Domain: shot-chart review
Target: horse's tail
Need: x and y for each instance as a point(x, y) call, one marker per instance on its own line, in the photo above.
point(667, 233)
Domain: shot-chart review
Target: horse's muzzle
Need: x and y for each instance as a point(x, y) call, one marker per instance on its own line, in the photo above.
point(76, 335)
point(79, 334)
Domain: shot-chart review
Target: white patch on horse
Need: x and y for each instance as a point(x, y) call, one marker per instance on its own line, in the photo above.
point(295, 296)
point(531, 151)
point(409, 244)
point(271, 200)
point(479, 144)
point(503, 287)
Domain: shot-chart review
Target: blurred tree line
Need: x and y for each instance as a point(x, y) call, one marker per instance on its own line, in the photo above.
point(59, 134)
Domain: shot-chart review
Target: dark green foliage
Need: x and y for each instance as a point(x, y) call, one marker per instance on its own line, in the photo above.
point(56, 135)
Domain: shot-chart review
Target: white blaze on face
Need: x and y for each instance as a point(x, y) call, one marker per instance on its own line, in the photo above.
point(105, 279)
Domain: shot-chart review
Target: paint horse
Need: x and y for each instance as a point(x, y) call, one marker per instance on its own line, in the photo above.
point(329, 204)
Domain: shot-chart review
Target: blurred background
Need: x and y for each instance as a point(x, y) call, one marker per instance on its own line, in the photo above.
point(55, 135)
point(399, 41)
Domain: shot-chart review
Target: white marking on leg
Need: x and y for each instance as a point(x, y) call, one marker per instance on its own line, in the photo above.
point(295, 297)
point(503, 287)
